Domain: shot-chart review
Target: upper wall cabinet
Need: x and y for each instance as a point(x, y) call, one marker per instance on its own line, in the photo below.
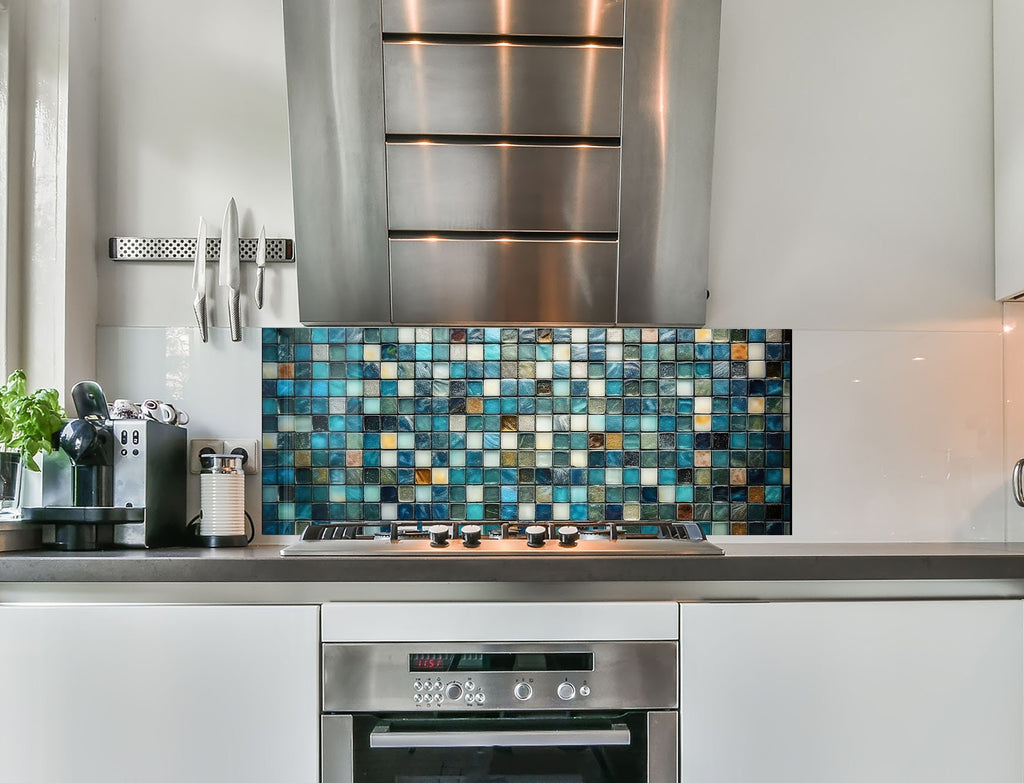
point(502, 161)
point(1008, 106)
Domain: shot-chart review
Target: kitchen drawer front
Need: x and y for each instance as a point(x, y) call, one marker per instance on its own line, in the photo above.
point(503, 281)
point(502, 89)
point(502, 17)
point(502, 187)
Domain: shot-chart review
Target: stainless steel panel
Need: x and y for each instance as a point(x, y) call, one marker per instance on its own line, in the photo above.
point(663, 747)
point(596, 18)
point(664, 548)
point(383, 737)
point(494, 281)
point(150, 473)
point(336, 749)
point(502, 187)
point(670, 69)
point(502, 89)
point(336, 127)
point(376, 677)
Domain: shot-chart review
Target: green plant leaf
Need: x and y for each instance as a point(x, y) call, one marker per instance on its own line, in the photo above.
point(28, 421)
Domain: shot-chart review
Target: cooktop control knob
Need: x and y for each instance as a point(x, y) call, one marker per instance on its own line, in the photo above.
point(471, 535)
point(522, 691)
point(568, 535)
point(438, 535)
point(566, 691)
point(453, 692)
point(535, 535)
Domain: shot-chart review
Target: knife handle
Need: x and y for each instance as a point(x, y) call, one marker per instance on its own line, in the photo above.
point(234, 317)
point(199, 306)
point(258, 294)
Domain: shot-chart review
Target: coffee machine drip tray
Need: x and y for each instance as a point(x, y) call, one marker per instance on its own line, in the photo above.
point(90, 515)
point(78, 528)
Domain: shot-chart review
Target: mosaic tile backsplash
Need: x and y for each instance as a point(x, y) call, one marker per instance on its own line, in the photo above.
point(495, 424)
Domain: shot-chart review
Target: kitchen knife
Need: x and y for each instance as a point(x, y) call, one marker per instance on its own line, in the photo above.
point(229, 274)
point(199, 281)
point(261, 262)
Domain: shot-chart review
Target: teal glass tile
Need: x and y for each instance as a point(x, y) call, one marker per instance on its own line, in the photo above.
point(341, 441)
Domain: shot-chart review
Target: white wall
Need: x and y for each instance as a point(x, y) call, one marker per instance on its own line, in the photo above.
point(194, 112)
point(852, 203)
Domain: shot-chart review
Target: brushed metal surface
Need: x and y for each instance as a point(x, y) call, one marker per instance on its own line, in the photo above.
point(671, 71)
point(489, 547)
point(616, 734)
point(15, 536)
point(150, 472)
point(593, 18)
point(336, 749)
point(336, 129)
point(663, 747)
point(502, 187)
point(494, 281)
point(370, 677)
point(502, 89)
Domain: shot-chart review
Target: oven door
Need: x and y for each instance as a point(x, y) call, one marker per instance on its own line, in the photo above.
point(630, 747)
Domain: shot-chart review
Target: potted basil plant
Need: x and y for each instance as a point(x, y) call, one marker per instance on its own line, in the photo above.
point(28, 423)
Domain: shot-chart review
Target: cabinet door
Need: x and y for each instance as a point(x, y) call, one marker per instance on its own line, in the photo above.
point(927, 692)
point(162, 694)
point(1008, 121)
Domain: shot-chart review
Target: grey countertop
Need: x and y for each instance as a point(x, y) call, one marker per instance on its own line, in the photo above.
point(743, 562)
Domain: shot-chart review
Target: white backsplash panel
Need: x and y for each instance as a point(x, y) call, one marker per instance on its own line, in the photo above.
point(216, 383)
point(897, 436)
point(1013, 394)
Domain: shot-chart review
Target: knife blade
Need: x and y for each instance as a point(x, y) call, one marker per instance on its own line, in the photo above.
point(229, 272)
point(261, 262)
point(199, 282)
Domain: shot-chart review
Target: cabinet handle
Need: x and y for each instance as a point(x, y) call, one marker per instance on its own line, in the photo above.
point(1018, 488)
point(382, 737)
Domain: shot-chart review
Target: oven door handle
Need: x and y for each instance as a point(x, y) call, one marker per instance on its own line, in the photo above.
point(383, 737)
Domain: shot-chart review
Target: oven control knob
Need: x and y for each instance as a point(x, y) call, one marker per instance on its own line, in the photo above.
point(453, 692)
point(479, 698)
point(566, 691)
point(584, 690)
point(471, 535)
point(535, 535)
point(470, 685)
point(438, 535)
point(568, 535)
point(522, 691)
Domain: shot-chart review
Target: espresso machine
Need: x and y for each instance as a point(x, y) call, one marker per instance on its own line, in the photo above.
point(112, 483)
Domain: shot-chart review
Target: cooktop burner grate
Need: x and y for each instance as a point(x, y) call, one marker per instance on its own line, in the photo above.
point(466, 538)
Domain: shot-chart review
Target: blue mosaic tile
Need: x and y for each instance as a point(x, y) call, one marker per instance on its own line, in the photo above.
point(492, 424)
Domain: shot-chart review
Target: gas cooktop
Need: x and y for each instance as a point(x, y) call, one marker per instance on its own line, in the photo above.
point(456, 539)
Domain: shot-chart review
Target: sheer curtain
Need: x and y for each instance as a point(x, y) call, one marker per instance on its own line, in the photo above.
point(48, 154)
point(5, 183)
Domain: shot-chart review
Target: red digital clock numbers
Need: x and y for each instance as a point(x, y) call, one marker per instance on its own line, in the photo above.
point(430, 662)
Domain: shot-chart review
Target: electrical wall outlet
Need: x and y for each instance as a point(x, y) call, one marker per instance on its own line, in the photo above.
point(249, 448)
point(199, 446)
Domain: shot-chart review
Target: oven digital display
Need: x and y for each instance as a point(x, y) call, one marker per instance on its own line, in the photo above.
point(502, 662)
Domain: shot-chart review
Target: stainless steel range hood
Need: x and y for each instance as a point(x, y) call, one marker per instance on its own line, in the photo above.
point(502, 161)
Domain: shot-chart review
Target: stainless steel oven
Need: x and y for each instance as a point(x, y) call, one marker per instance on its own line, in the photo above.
point(517, 712)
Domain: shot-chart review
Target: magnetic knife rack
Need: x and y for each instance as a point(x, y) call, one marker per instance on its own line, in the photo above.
point(279, 251)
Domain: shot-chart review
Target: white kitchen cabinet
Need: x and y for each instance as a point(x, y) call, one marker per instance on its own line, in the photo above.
point(161, 694)
point(1008, 130)
point(847, 692)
